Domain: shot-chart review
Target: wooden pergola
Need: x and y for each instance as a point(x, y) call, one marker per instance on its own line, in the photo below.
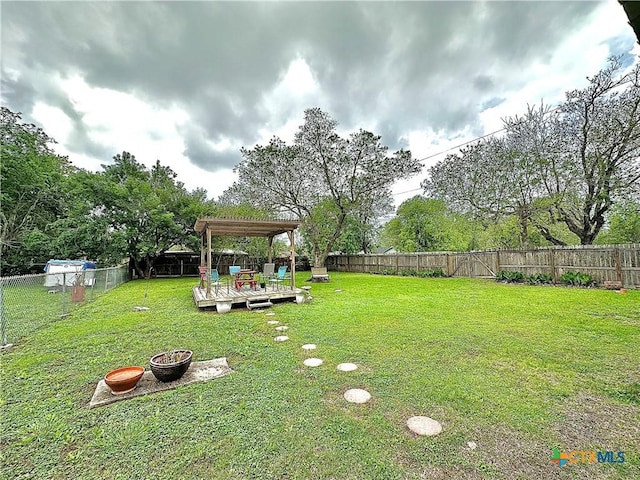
point(245, 227)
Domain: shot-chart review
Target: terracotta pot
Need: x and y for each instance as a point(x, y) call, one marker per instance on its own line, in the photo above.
point(123, 380)
point(168, 372)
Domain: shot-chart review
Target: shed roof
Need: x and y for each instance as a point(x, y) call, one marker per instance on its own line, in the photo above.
point(244, 227)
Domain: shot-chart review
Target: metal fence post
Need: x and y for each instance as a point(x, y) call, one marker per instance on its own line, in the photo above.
point(3, 319)
point(64, 294)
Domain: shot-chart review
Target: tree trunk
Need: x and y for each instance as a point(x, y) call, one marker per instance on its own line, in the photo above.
point(133, 262)
point(150, 262)
point(523, 216)
point(547, 234)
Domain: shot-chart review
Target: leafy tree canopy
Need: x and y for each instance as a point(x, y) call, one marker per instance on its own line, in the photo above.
point(553, 166)
point(424, 224)
point(321, 179)
point(32, 178)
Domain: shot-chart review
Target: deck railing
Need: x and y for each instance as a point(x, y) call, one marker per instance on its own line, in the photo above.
point(29, 302)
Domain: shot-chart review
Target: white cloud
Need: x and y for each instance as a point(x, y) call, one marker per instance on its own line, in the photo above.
point(58, 124)
point(191, 83)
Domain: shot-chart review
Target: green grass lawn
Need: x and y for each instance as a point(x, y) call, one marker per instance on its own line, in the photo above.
point(518, 370)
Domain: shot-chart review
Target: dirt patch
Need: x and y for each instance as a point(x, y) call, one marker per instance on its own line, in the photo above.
point(448, 473)
point(592, 421)
point(501, 452)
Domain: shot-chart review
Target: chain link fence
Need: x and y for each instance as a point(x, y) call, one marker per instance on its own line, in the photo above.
point(29, 302)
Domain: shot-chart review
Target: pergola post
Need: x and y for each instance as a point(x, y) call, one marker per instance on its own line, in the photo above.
point(269, 248)
point(208, 262)
point(292, 255)
point(202, 250)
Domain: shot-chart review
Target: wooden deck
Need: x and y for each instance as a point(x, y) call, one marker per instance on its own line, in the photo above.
point(231, 296)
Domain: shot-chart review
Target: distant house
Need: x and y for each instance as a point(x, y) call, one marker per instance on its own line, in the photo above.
point(185, 263)
point(385, 251)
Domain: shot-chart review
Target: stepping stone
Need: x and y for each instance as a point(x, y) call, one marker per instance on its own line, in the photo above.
point(282, 328)
point(273, 322)
point(347, 367)
point(357, 395)
point(309, 346)
point(270, 314)
point(424, 426)
point(281, 338)
point(313, 362)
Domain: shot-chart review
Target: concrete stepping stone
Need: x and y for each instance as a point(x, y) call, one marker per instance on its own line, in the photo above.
point(282, 328)
point(424, 426)
point(281, 338)
point(273, 322)
point(270, 314)
point(309, 346)
point(357, 395)
point(347, 367)
point(313, 362)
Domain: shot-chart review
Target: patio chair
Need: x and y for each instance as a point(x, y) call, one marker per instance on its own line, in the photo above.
point(268, 272)
point(216, 281)
point(233, 270)
point(280, 277)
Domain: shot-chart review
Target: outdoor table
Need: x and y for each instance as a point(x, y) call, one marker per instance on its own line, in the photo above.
point(244, 277)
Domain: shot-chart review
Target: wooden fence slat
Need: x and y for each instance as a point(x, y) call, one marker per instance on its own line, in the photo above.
point(619, 262)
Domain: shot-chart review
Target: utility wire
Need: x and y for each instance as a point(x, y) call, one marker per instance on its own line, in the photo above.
point(462, 145)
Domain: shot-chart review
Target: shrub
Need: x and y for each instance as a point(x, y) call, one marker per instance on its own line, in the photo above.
point(506, 276)
point(540, 279)
point(406, 272)
point(577, 279)
point(435, 273)
point(385, 271)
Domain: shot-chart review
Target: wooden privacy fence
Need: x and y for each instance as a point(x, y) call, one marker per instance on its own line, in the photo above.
point(616, 263)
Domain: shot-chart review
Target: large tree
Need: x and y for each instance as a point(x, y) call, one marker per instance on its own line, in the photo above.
point(424, 224)
point(321, 179)
point(623, 225)
point(600, 128)
point(32, 177)
point(148, 211)
point(566, 165)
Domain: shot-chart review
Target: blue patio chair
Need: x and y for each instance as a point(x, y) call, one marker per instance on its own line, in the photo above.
point(233, 269)
point(280, 277)
point(216, 281)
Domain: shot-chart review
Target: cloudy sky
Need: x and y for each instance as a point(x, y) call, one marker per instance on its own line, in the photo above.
point(189, 83)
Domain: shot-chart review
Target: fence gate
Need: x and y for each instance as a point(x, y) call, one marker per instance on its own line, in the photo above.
point(473, 264)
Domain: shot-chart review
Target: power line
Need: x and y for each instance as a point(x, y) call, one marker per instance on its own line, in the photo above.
point(462, 145)
point(479, 138)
